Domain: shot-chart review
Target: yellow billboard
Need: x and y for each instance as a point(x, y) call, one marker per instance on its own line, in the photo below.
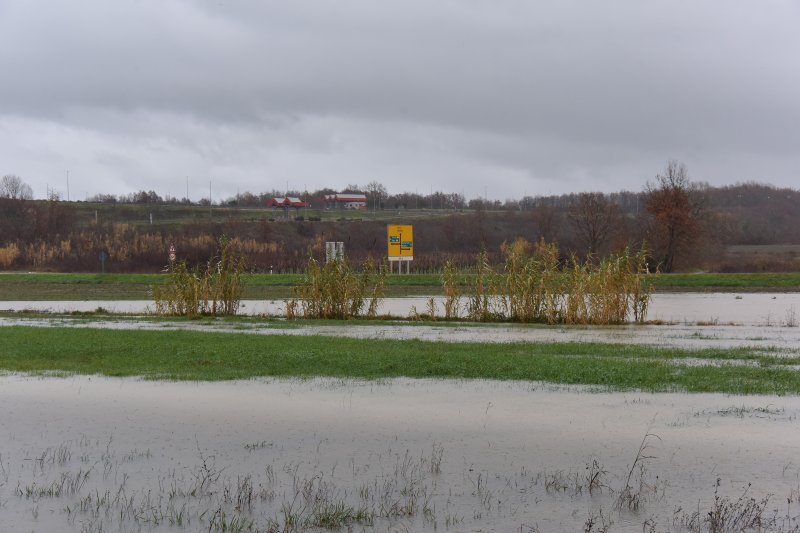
point(401, 241)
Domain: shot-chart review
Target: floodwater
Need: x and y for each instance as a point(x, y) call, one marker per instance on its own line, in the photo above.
point(748, 309)
point(100, 454)
point(92, 454)
point(777, 340)
point(760, 321)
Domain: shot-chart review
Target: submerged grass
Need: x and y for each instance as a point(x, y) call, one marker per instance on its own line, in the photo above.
point(192, 355)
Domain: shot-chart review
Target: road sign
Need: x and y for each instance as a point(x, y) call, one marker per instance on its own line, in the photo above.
point(400, 242)
point(172, 255)
point(334, 251)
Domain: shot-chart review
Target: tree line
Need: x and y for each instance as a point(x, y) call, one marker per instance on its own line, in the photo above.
point(685, 224)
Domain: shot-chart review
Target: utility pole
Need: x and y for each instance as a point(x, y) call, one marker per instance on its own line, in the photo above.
point(187, 189)
point(68, 185)
point(209, 197)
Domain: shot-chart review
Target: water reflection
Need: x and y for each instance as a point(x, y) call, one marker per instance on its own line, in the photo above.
point(412, 455)
point(751, 309)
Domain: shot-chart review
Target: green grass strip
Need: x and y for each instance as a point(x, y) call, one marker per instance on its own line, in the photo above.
point(746, 280)
point(186, 355)
point(760, 280)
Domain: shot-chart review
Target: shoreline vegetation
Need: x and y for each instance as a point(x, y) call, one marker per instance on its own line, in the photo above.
point(532, 286)
point(214, 356)
point(89, 286)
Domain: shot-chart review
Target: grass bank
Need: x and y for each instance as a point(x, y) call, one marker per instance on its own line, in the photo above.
point(186, 355)
point(84, 286)
point(751, 282)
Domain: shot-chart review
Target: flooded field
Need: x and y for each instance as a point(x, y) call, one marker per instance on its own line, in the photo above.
point(786, 340)
point(98, 454)
point(749, 309)
point(92, 454)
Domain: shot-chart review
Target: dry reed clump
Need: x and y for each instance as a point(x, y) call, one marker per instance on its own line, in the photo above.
point(41, 254)
point(451, 293)
point(533, 286)
point(337, 290)
point(215, 289)
point(8, 254)
point(482, 303)
point(124, 243)
point(253, 247)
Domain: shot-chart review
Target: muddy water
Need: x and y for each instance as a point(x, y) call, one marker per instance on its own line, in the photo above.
point(407, 455)
point(751, 309)
point(690, 321)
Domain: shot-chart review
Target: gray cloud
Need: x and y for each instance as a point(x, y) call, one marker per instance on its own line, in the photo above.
point(507, 97)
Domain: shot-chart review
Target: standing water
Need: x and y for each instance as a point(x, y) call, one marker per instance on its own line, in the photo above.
point(98, 454)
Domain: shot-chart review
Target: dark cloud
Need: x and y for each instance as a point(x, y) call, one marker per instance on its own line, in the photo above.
point(532, 97)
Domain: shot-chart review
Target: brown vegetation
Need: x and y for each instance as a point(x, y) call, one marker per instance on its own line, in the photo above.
point(535, 286)
point(338, 290)
point(215, 289)
point(72, 236)
point(675, 207)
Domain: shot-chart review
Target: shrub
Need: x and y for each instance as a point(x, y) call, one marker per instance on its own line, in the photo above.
point(337, 290)
point(215, 289)
point(536, 287)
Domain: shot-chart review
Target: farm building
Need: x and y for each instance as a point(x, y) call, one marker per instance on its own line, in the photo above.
point(287, 203)
point(345, 201)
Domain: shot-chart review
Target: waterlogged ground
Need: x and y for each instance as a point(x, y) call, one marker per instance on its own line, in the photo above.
point(761, 321)
point(97, 454)
point(749, 309)
point(777, 339)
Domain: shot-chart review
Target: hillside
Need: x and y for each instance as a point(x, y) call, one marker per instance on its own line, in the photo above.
point(746, 227)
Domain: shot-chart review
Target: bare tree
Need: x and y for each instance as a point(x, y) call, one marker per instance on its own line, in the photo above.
point(546, 221)
point(594, 219)
point(375, 193)
point(675, 209)
point(12, 187)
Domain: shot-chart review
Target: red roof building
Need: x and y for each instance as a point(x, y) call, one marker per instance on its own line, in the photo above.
point(288, 201)
point(345, 201)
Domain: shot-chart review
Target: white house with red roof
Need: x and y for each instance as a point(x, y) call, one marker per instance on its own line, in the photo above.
point(345, 201)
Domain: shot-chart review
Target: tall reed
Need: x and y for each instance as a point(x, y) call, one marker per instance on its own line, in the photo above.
point(451, 292)
point(337, 290)
point(534, 286)
point(8, 254)
point(482, 302)
point(215, 289)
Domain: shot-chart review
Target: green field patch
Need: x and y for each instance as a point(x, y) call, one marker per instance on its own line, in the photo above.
point(265, 286)
point(190, 355)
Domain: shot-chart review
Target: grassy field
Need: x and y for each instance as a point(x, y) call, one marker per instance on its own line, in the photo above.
point(185, 355)
point(767, 281)
point(58, 286)
point(180, 215)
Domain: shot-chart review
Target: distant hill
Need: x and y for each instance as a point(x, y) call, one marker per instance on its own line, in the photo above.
point(747, 227)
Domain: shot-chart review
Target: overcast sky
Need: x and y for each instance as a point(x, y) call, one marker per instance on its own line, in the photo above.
point(486, 97)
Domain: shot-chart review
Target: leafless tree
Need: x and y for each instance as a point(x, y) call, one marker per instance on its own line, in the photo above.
point(546, 221)
point(594, 218)
point(375, 193)
point(12, 187)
